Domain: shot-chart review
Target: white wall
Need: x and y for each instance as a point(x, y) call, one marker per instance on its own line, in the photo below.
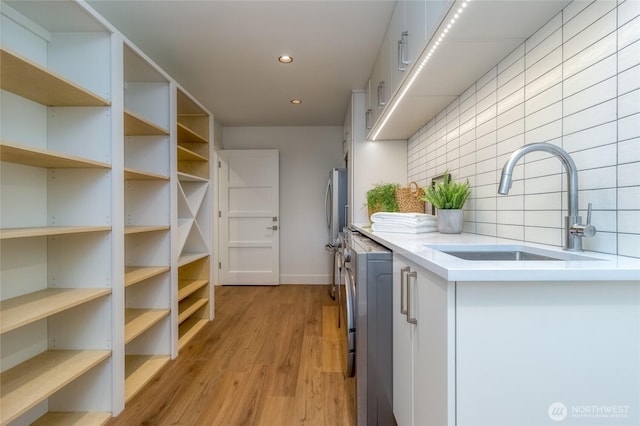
point(575, 83)
point(306, 156)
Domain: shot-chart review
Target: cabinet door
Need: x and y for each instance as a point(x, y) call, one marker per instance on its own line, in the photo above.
point(431, 356)
point(402, 350)
point(415, 26)
point(394, 39)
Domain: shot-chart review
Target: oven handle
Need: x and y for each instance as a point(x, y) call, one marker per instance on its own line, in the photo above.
point(403, 284)
point(410, 318)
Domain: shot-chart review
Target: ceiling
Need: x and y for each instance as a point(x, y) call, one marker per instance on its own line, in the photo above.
point(225, 52)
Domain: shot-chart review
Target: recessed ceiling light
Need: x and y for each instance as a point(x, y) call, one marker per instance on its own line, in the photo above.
point(285, 59)
point(296, 101)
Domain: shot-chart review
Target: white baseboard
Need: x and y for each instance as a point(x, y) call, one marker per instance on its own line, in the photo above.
point(305, 279)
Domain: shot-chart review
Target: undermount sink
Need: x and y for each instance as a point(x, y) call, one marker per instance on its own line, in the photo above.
point(509, 253)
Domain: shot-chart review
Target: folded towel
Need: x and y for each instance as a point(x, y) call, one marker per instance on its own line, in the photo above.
point(403, 229)
point(410, 219)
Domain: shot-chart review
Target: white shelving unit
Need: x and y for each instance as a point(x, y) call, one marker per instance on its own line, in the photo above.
point(55, 218)
point(147, 150)
point(195, 292)
point(105, 216)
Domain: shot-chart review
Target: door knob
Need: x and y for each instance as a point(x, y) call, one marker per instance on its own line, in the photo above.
point(273, 228)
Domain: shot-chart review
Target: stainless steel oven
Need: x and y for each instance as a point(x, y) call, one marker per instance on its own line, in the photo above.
point(365, 299)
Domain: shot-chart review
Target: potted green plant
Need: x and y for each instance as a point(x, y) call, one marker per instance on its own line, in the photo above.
point(448, 197)
point(382, 198)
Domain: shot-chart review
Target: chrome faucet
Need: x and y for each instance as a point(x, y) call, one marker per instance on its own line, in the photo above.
point(574, 229)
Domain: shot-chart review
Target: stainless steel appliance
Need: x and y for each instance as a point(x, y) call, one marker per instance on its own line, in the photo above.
point(366, 309)
point(335, 207)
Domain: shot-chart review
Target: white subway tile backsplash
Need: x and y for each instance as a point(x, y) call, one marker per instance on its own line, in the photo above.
point(629, 127)
point(545, 64)
point(590, 117)
point(629, 174)
point(604, 134)
point(627, 11)
point(628, 221)
point(589, 35)
point(582, 93)
point(629, 56)
point(593, 54)
point(629, 198)
point(629, 151)
point(545, 81)
point(539, 36)
point(547, 133)
point(596, 73)
point(544, 218)
point(587, 18)
point(511, 59)
point(544, 99)
point(543, 116)
point(629, 33)
point(547, 46)
point(591, 96)
point(629, 103)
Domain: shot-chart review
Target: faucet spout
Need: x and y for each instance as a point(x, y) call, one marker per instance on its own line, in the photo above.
point(574, 230)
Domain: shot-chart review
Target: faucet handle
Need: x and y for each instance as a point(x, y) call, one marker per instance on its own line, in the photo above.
point(587, 230)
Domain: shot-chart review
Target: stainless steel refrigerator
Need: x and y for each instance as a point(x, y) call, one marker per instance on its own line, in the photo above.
point(335, 204)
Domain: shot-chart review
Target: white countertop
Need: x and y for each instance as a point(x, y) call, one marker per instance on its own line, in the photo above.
point(415, 247)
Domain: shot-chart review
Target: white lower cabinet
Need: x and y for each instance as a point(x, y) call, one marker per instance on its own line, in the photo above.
point(514, 352)
point(423, 365)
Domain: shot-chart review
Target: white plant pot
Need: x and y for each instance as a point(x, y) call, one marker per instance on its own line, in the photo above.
point(450, 221)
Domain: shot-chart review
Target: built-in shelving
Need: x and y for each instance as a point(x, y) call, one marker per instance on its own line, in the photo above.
point(44, 231)
point(28, 156)
point(34, 82)
point(57, 418)
point(188, 258)
point(132, 174)
point(135, 125)
point(137, 321)
point(139, 370)
point(188, 329)
point(185, 154)
point(187, 287)
point(186, 134)
point(22, 310)
point(140, 229)
point(33, 381)
point(186, 177)
point(136, 274)
point(189, 306)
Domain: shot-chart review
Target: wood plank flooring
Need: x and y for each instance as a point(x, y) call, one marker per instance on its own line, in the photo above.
point(272, 357)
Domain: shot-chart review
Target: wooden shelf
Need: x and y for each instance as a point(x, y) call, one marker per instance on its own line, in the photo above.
point(188, 307)
point(135, 274)
point(135, 125)
point(139, 229)
point(187, 287)
point(32, 81)
point(189, 329)
point(186, 177)
point(186, 258)
point(43, 231)
point(133, 174)
point(185, 134)
point(185, 154)
point(139, 369)
point(23, 310)
point(28, 156)
point(137, 321)
point(33, 381)
point(58, 418)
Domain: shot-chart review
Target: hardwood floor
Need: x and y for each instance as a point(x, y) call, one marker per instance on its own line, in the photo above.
point(271, 357)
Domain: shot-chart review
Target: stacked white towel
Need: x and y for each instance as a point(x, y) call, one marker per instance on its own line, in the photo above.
point(408, 223)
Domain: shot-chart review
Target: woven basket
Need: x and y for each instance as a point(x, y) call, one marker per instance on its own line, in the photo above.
point(410, 199)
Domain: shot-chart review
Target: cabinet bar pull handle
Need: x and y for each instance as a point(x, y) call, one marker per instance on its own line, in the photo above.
point(402, 52)
point(410, 318)
point(403, 282)
point(381, 101)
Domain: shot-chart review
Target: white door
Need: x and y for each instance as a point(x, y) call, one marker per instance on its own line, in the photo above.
point(249, 240)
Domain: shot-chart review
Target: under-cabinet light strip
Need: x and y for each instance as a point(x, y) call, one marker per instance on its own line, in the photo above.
point(431, 48)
